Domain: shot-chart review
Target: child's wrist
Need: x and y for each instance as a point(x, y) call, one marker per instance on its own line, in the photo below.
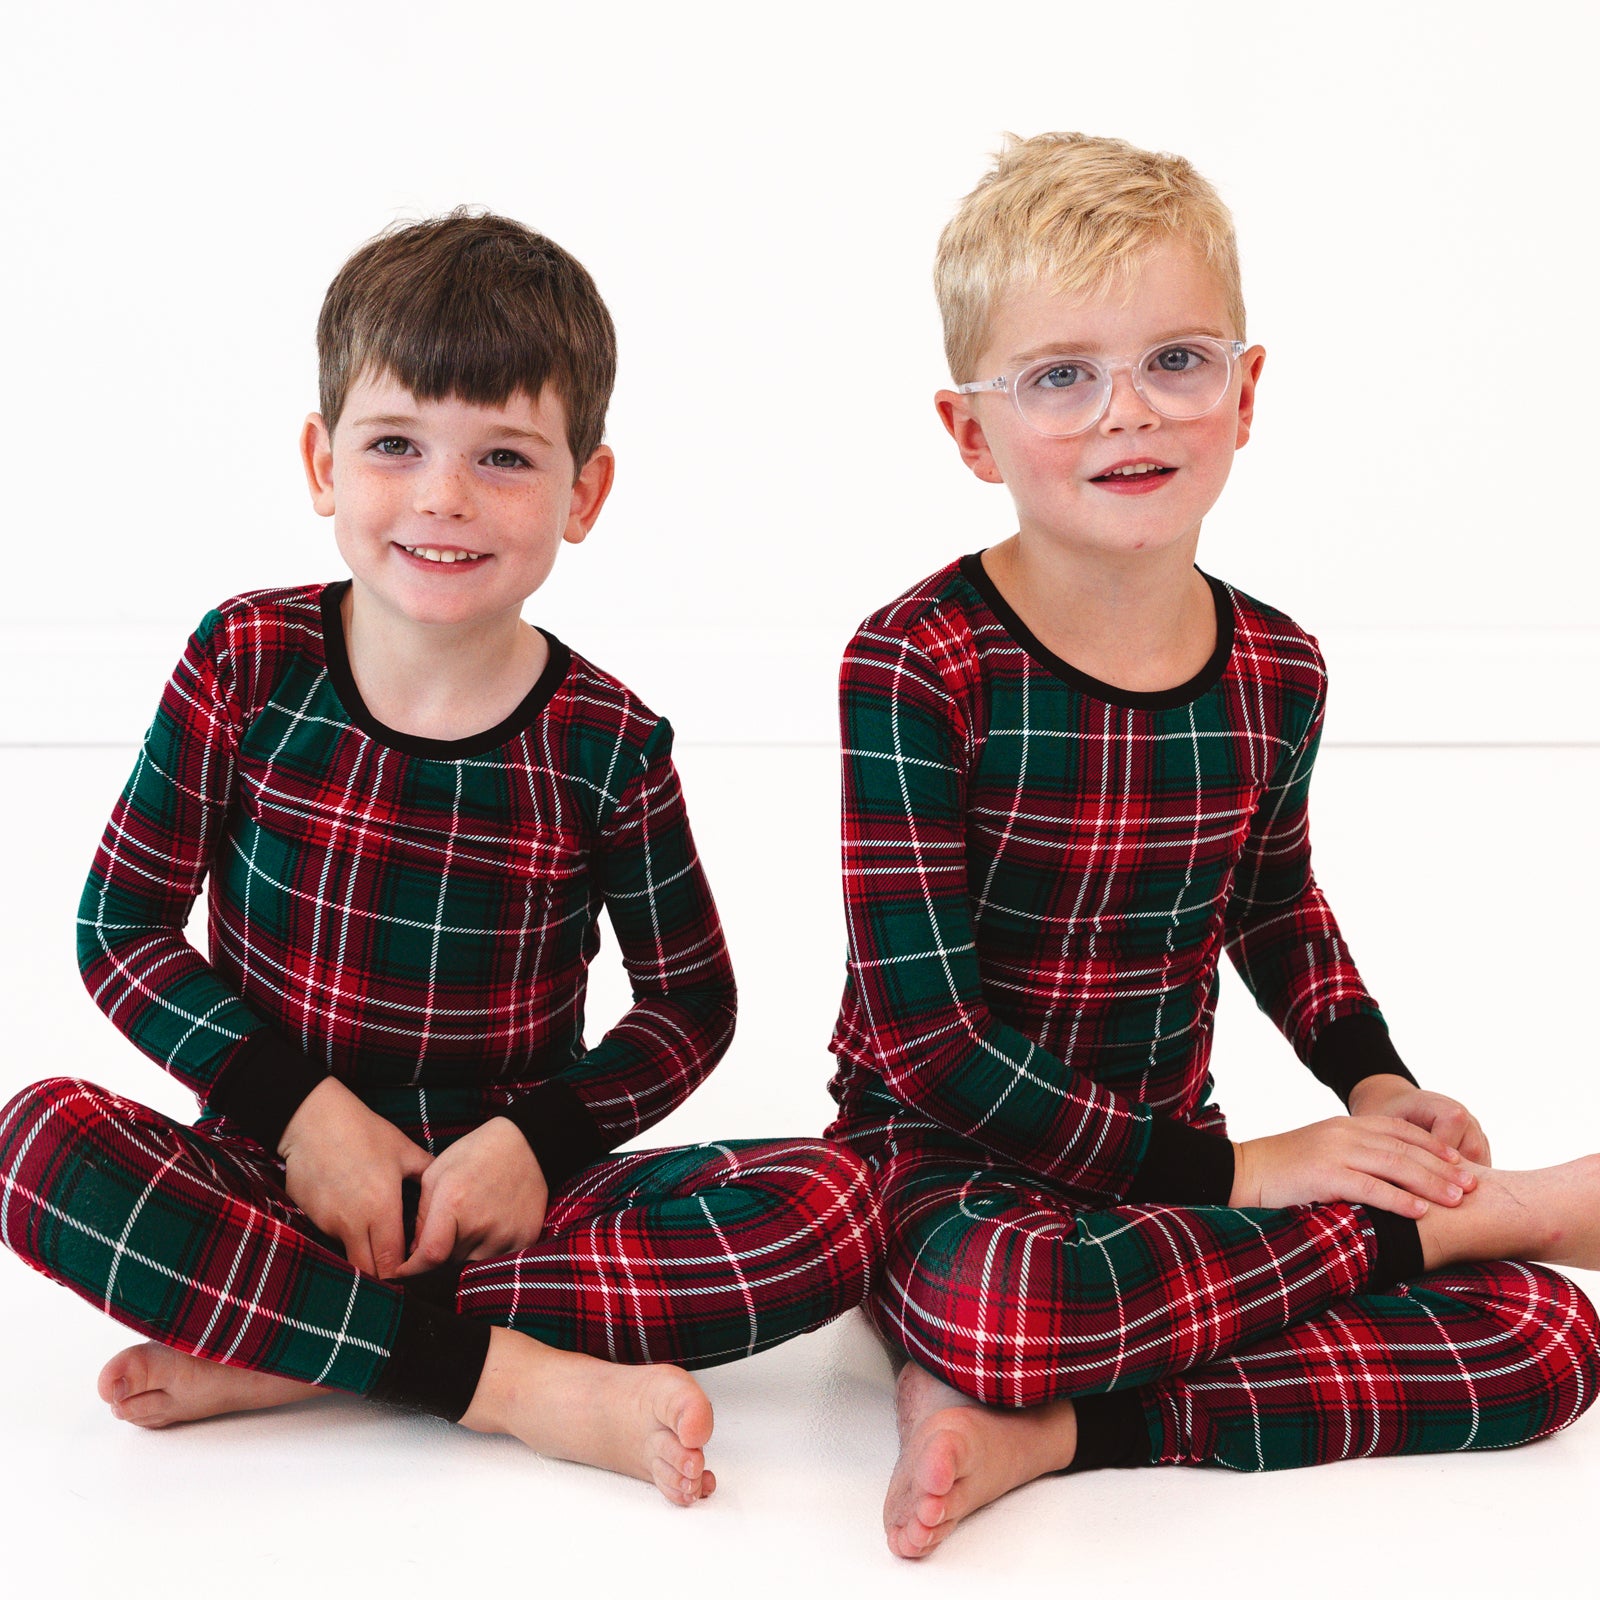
point(323, 1102)
point(1376, 1089)
point(263, 1086)
point(1246, 1189)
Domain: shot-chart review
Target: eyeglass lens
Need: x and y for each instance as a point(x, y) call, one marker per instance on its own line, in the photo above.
point(1066, 394)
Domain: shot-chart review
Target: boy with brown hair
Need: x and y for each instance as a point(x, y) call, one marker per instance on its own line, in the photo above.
point(409, 807)
point(1075, 770)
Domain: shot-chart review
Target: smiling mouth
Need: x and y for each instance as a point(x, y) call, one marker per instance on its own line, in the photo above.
point(447, 554)
point(1140, 469)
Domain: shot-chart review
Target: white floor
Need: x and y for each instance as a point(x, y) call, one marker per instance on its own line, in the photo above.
point(1466, 882)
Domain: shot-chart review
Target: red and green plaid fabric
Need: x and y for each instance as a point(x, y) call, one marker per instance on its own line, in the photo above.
point(697, 1255)
point(1041, 873)
point(414, 916)
point(1251, 1338)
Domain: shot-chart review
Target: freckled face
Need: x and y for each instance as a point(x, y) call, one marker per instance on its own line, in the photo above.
point(1067, 489)
point(448, 512)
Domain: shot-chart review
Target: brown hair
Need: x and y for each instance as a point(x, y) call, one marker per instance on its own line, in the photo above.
point(474, 306)
point(1076, 213)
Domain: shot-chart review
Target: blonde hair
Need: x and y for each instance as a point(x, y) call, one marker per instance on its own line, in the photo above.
point(1076, 213)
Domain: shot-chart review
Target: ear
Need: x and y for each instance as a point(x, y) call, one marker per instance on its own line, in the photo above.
point(589, 491)
point(316, 456)
point(1250, 365)
point(955, 412)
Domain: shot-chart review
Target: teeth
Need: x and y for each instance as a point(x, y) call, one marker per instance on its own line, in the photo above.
point(430, 553)
point(1133, 471)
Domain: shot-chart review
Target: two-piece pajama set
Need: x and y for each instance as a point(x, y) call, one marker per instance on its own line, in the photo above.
point(1041, 874)
point(415, 917)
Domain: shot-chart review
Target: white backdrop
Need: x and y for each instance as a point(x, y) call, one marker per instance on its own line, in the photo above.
point(758, 190)
point(758, 193)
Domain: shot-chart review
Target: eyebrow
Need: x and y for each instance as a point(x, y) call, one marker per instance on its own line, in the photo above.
point(407, 422)
point(1060, 347)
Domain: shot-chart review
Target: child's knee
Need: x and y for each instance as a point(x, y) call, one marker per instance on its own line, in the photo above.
point(842, 1201)
point(1000, 1331)
point(41, 1134)
point(1539, 1335)
point(44, 1108)
point(1573, 1328)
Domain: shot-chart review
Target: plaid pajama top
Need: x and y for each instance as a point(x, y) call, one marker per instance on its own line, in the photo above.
point(414, 916)
point(1041, 872)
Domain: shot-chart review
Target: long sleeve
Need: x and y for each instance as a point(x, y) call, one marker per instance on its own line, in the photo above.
point(682, 1017)
point(1285, 943)
point(152, 862)
point(914, 964)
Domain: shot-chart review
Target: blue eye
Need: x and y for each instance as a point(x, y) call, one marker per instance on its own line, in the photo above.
point(1178, 358)
point(1063, 375)
point(506, 458)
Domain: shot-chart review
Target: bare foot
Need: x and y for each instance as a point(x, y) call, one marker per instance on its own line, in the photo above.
point(1551, 1214)
point(917, 1395)
point(647, 1422)
point(153, 1386)
point(956, 1458)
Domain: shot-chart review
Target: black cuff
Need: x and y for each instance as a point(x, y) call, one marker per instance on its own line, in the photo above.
point(262, 1086)
point(1352, 1048)
point(1111, 1432)
point(436, 1361)
point(1398, 1256)
point(558, 1128)
point(1183, 1166)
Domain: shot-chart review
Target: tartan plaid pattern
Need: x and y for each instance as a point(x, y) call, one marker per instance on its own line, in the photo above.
point(1479, 1357)
point(697, 1255)
point(184, 1235)
point(1041, 873)
point(415, 917)
point(1249, 1336)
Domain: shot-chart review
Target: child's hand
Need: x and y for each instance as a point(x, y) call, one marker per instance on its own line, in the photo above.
point(1371, 1161)
point(343, 1165)
point(1386, 1095)
point(484, 1196)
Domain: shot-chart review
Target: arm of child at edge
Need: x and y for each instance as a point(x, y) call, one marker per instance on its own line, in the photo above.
point(169, 1001)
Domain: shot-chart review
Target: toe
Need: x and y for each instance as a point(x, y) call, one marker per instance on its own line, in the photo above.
point(669, 1483)
point(938, 1462)
point(151, 1409)
point(127, 1372)
point(903, 1542)
point(690, 1416)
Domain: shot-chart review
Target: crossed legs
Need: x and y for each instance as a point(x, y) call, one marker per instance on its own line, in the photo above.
point(688, 1256)
point(1044, 1340)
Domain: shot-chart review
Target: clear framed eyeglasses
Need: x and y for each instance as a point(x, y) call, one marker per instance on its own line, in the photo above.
point(1063, 395)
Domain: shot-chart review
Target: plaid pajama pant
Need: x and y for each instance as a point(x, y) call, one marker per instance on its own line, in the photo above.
point(1249, 1339)
point(696, 1255)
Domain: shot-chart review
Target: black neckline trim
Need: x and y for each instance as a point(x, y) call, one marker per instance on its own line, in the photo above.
point(1138, 700)
point(411, 744)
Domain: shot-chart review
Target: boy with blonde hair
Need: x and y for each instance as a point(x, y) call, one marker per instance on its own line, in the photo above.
point(410, 807)
point(1075, 770)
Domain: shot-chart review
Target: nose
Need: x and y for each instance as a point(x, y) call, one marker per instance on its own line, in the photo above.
point(444, 489)
point(1126, 409)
